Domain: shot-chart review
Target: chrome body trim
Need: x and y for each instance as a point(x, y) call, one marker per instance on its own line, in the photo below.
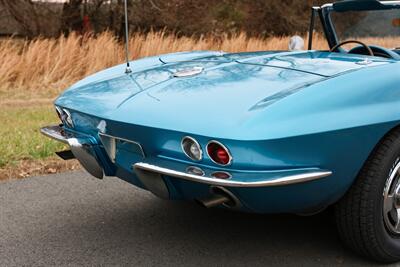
point(223, 146)
point(288, 180)
point(198, 146)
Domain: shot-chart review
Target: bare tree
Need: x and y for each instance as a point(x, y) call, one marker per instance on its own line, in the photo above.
point(71, 19)
point(25, 14)
point(184, 17)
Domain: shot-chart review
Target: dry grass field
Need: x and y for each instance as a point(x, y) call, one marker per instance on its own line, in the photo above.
point(41, 68)
point(34, 72)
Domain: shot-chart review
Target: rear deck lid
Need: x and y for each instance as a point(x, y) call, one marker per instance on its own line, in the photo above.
point(321, 63)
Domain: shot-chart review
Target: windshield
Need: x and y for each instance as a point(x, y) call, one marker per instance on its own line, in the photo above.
point(378, 27)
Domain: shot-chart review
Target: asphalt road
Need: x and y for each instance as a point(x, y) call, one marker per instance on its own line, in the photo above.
point(73, 219)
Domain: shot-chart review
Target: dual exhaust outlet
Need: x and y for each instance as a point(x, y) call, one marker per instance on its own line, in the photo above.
point(220, 196)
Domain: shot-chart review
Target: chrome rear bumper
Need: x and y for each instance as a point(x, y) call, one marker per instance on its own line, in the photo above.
point(280, 179)
point(81, 147)
point(55, 132)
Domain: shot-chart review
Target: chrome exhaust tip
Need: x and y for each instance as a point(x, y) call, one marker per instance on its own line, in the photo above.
point(220, 196)
point(213, 201)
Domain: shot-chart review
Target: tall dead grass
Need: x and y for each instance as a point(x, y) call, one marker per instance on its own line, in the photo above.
point(41, 68)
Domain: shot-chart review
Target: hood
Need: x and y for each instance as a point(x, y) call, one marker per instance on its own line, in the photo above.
point(228, 90)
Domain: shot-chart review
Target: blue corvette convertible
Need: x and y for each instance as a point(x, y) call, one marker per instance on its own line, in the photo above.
point(265, 132)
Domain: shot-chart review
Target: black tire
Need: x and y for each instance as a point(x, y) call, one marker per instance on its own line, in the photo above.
point(359, 214)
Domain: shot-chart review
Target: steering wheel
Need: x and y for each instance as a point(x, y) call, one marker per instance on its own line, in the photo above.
point(367, 48)
point(378, 52)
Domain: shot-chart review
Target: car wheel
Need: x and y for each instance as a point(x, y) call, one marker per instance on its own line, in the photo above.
point(368, 216)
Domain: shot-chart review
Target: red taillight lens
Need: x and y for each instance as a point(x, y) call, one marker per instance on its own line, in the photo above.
point(219, 153)
point(222, 156)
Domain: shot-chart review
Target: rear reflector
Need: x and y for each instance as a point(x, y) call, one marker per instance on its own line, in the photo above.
point(195, 171)
point(221, 175)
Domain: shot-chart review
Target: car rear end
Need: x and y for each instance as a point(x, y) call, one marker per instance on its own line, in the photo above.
point(183, 166)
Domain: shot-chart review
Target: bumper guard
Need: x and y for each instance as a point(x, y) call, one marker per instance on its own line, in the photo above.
point(81, 147)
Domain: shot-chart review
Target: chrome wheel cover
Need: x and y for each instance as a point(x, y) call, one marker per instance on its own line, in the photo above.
point(391, 200)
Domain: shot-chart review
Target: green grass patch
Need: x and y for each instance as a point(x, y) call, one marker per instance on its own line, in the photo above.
point(20, 138)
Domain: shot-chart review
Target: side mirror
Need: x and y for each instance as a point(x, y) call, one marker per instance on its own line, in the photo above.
point(296, 43)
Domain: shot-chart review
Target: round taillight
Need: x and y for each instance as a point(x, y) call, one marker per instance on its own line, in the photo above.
point(192, 148)
point(218, 153)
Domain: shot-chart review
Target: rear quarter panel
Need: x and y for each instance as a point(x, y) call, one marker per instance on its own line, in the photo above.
point(334, 124)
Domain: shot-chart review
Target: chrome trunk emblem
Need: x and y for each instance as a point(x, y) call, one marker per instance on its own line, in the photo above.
point(188, 72)
point(364, 62)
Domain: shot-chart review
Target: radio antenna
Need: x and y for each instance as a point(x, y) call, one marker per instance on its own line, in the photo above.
point(128, 66)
